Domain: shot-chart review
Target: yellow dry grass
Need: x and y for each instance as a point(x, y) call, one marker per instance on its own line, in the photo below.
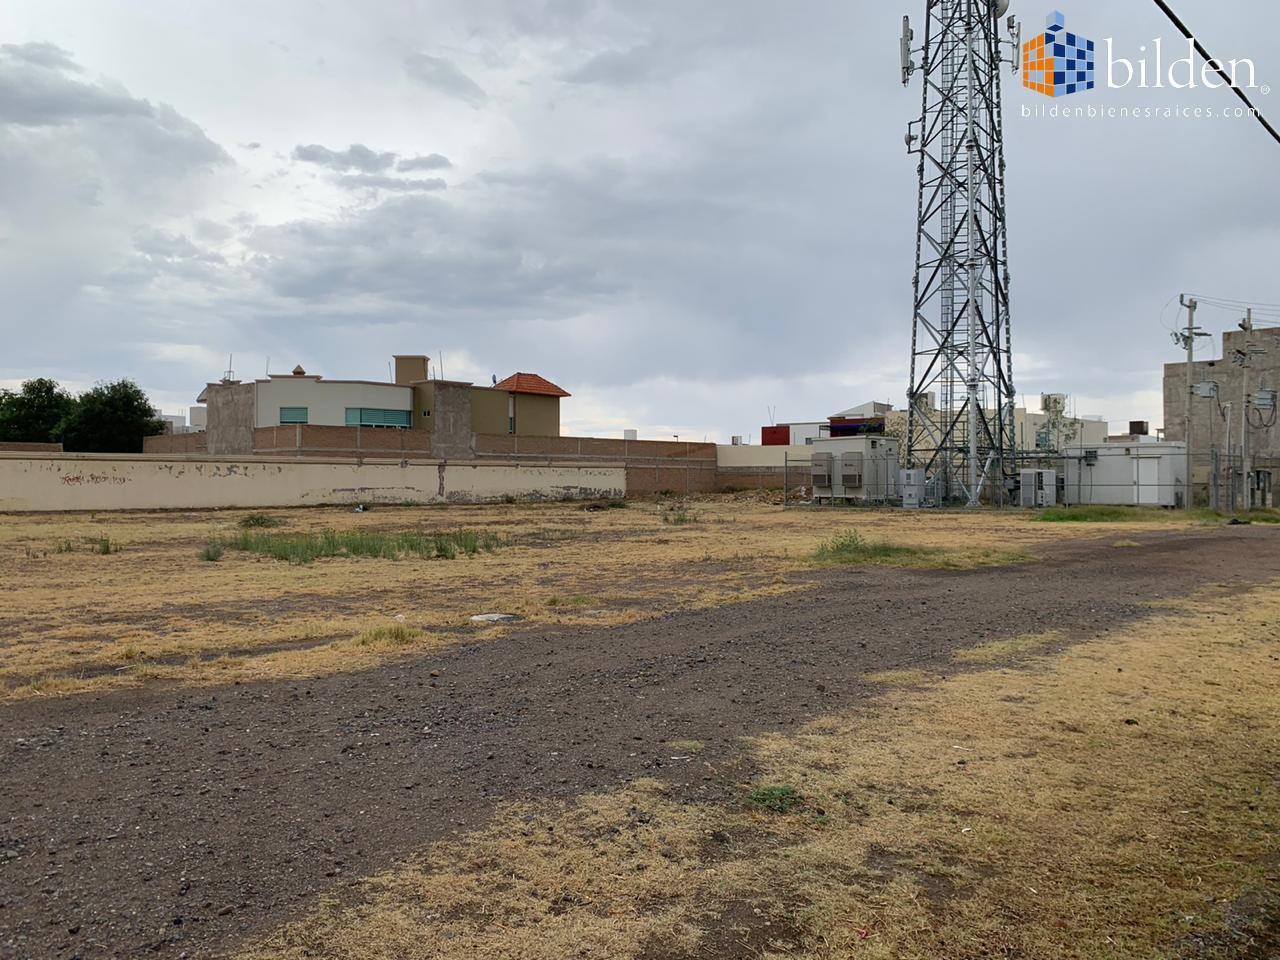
point(1117, 799)
point(72, 619)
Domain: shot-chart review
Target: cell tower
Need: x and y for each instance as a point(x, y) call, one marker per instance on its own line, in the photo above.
point(961, 396)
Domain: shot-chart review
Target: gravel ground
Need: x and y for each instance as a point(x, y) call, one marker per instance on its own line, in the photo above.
point(178, 822)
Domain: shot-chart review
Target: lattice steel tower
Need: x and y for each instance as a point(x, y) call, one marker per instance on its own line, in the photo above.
point(961, 394)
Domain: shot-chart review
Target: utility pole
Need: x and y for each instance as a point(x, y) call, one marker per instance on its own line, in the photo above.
point(1242, 359)
point(1244, 414)
point(1188, 338)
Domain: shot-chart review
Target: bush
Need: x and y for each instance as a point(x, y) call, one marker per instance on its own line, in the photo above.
point(212, 552)
point(851, 548)
point(104, 546)
point(255, 521)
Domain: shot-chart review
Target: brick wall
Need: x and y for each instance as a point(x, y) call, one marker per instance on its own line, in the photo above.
point(176, 443)
point(314, 440)
point(762, 478)
point(15, 446)
point(653, 466)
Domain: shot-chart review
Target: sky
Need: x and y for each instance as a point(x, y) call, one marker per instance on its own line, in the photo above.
point(697, 216)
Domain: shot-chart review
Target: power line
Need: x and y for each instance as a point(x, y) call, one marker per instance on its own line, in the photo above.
point(1217, 66)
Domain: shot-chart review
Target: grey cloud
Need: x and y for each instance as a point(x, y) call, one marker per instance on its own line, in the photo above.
point(48, 55)
point(443, 76)
point(617, 68)
point(432, 161)
point(357, 157)
point(398, 184)
point(34, 95)
point(173, 246)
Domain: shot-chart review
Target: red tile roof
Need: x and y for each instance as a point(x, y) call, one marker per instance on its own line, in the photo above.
point(530, 383)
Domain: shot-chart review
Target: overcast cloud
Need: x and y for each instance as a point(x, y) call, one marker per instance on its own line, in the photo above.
point(685, 214)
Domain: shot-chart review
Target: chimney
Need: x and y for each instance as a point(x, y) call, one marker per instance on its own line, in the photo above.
point(298, 371)
point(411, 369)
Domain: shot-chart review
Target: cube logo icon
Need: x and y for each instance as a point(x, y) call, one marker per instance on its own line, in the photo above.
point(1058, 63)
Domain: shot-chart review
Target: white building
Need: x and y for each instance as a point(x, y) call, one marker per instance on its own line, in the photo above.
point(1127, 474)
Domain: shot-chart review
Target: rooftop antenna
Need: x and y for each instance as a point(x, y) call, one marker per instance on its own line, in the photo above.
point(441, 364)
point(229, 374)
point(267, 372)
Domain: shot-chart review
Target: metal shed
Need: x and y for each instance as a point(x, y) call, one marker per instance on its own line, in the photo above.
point(1127, 474)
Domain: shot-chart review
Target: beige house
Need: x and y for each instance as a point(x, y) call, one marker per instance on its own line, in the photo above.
point(444, 411)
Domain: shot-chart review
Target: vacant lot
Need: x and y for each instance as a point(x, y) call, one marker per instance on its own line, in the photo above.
point(122, 599)
point(720, 731)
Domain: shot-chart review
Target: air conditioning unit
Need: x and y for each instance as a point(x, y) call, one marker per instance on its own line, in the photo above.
point(821, 475)
point(850, 473)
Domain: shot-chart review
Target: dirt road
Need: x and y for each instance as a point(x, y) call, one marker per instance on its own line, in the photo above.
point(180, 821)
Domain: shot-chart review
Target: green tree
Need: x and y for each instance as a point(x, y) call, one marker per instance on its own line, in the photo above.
point(33, 413)
point(110, 418)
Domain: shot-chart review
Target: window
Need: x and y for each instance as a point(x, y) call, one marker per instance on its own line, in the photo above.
point(293, 415)
point(373, 417)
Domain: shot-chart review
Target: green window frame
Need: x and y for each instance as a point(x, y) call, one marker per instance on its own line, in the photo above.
point(293, 415)
point(375, 417)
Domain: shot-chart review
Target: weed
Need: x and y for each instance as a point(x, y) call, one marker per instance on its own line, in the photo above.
point(254, 521)
point(775, 799)
point(851, 548)
point(1120, 514)
point(395, 634)
point(679, 517)
point(104, 546)
point(65, 546)
point(306, 547)
point(212, 551)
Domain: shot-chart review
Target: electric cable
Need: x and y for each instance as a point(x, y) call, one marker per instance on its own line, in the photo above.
point(1217, 66)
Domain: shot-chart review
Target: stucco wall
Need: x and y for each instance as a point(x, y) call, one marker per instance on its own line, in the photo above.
point(490, 410)
point(537, 416)
point(85, 482)
point(326, 400)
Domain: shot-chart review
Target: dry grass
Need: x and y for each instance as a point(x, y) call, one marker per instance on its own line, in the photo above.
point(1112, 801)
point(68, 614)
point(994, 651)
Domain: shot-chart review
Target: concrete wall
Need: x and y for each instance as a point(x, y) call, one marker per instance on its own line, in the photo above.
point(1208, 425)
point(87, 482)
point(231, 419)
point(326, 400)
point(451, 419)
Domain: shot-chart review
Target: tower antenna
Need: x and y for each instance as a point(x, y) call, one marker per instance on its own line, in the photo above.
point(961, 394)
